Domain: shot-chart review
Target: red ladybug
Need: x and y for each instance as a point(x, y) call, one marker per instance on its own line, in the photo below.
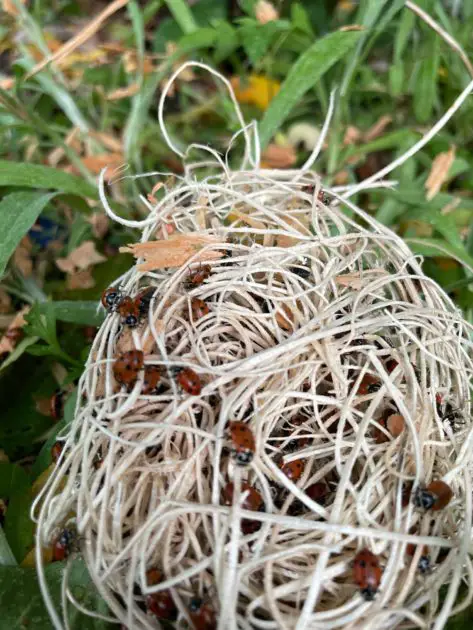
point(65, 544)
point(189, 381)
point(162, 605)
point(151, 379)
point(143, 300)
point(253, 501)
point(369, 384)
point(317, 492)
point(202, 615)
point(243, 443)
point(56, 450)
point(199, 276)
point(56, 404)
point(111, 298)
point(199, 308)
point(293, 470)
point(127, 366)
point(367, 573)
point(435, 496)
point(129, 312)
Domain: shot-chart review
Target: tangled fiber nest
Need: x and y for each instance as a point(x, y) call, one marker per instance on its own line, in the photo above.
point(319, 331)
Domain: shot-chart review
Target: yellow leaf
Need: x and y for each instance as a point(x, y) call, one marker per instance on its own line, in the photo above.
point(259, 90)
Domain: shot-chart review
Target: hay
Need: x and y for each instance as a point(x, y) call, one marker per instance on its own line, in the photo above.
point(321, 326)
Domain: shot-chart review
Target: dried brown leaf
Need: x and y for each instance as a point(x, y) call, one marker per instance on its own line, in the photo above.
point(5, 301)
point(8, 342)
point(277, 156)
point(123, 92)
point(113, 144)
point(80, 280)
point(22, 257)
point(10, 7)
point(173, 252)
point(352, 135)
point(80, 258)
point(439, 172)
point(265, 12)
point(80, 38)
point(95, 163)
point(355, 280)
point(377, 129)
point(352, 27)
point(100, 224)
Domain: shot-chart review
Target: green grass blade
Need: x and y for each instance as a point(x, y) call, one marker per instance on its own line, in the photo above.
point(437, 247)
point(307, 70)
point(425, 92)
point(18, 212)
point(182, 14)
point(38, 176)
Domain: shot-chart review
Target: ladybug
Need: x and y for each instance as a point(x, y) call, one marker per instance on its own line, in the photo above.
point(202, 615)
point(56, 404)
point(293, 470)
point(199, 276)
point(111, 298)
point(151, 379)
point(56, 450)
point(391, 365)
point(199, 308)
point(143, 300)
point(253, 500)
point(434, 497)
point(317, 492)
point(189, 381)
point(127, 366)
point(129, 312)
point(161, 605)
point(153, 577)
point(243, 443)
point(369, 384)
point(367, 573)
point(65, 544)
point(321, 196)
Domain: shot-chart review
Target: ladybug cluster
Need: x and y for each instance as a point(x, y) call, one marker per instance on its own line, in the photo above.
point(131, 310)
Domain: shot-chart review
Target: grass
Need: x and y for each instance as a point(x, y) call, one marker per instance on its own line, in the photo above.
point(61, 123)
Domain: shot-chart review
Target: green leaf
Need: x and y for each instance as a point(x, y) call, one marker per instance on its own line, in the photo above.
point(22, 603)
point(226, 41)
point(307, 70)
point(41, 322)
point(257, 38)
point(436, 247)
point(83, 313)
point(201, 38)
point(7, 559)
point(182, 14)
point(15, 486)
point(425, 91)
point(18, 212)
point(38, 176)
point(18, 351)
point(300, 19)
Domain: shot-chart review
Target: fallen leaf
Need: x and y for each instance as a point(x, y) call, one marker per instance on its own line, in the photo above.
point(124, 92)
point(265, 12)
point(276, 156)
point(377, 129)
point(9, 340)
point(80, 280)
point(100, 224)
point(352, 27)
point(439, 172)
point(10, 7)
point(71, 140)
point(131, 63)
point(173, 252)
point(5, 301)
point(352, 136)
point(355, 280)
point(80, 38)
point(22, 257)
point(95, 163)
point(259, 91)
point(115, 145)
point(80, 258)
point(7, 83)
